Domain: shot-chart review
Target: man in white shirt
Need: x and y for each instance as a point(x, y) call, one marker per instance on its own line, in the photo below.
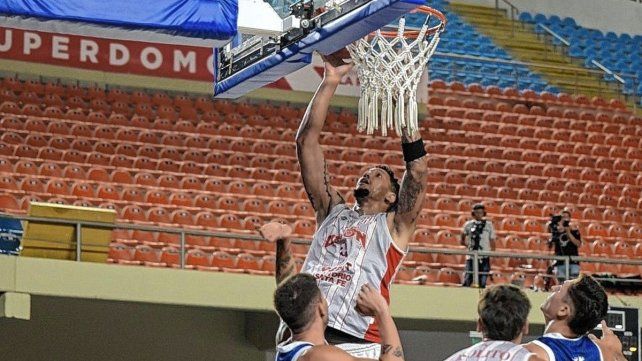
point(478, 235)
point(503, 312)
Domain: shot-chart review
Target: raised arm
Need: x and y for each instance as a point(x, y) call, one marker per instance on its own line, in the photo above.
point(285, 263)
point(413, 188)
point(314, 170)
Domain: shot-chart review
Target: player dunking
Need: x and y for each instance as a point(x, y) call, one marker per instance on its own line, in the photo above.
point(359, 244)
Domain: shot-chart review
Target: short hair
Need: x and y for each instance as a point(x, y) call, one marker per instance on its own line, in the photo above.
point(295, 300)
point(590, 303)
point(503, 310)
point(565, 210)
point(478, 206)
point(394, 182)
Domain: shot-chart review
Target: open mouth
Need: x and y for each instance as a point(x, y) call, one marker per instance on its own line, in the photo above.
point(363, 181)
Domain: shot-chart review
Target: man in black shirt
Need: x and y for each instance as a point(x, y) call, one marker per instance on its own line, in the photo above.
point(565, 236)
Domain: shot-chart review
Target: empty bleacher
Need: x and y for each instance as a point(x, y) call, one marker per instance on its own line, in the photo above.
point(621, 54)
point(178, 161)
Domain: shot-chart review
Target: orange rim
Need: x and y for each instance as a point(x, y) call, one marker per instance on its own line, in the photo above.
point(413, 34)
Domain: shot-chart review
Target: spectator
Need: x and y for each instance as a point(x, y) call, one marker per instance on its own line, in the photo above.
point(566, 238)
point(478, 235)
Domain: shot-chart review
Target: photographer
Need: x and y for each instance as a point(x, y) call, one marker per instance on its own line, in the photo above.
point(565, 236)
point(478, 235)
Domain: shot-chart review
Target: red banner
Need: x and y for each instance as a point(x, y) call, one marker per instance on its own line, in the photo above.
point(109, 55)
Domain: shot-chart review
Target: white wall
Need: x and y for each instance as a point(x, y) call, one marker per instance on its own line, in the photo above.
point(620, 16)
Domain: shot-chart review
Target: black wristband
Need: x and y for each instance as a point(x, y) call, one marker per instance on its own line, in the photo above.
point(413, 151)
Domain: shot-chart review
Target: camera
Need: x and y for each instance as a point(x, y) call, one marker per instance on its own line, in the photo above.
point(475, 234)
point(555, 233)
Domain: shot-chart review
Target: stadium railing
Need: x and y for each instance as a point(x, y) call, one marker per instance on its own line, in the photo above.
point(185, 232)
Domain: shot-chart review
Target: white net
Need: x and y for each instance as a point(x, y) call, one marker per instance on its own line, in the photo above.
point(389, 71)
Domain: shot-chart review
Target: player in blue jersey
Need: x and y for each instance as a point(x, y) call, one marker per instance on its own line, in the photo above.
point(571, 311)
point(300, 304)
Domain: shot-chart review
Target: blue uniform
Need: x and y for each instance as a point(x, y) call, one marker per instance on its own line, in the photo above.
point(291, 351)
point(560, 348)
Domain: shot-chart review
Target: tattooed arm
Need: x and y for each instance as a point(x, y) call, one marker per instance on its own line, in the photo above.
point(411, 195)
point(285, 264)
point(279, 233)
point(314, 170)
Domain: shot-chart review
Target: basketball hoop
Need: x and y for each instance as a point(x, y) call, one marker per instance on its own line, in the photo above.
point(389, 65)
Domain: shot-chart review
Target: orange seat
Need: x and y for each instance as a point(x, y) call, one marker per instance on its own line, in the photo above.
point(199, 259)
point(444, 220)
point(57, 187)
point(510, 208)
point(182, 217)
point(447, 238)
point(249, 263)
point(148, 256)
point(600, 248)
point(223, 260)
point(159, 215)
point(230, 222)
point(9, 203)
point(623, 249)
point(449, 277)
point(511, 225)
point(121, 253)
point(530, 209)
point(304, 227)
point(171, 256)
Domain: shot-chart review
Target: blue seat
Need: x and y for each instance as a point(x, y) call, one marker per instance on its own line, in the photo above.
point(569, 22)
point(554, 19)
point(526, 17)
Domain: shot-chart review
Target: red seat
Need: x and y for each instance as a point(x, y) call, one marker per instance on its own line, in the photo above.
point(182, 217)
point(597, 230)
point(148, 256)
point(623, 249)
point(159, 215)
point(230, 222)
point(600, 248)
point(223, 260)
point(122, 254)
point(304, 227)
point(134, 213)
point(511, 225)
point(449, 277)
point(171, 256)
point(9, 203)
point(199, 259)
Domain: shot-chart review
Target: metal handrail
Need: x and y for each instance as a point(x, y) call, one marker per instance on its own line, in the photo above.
point(183, 232)
point(513, 12)
point(554, 34)
point(568, 44)
point(514, 62)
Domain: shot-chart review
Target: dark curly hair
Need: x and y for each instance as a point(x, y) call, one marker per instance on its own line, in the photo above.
point(295, 300)
point(503, 310)
point(590, 304)
point(394, 182)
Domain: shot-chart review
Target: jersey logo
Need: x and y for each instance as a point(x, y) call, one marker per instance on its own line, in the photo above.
point(578, 358)
point(340, 241)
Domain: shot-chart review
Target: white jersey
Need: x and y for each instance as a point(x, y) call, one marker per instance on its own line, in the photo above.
point(347, 251)
point(493, 351)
